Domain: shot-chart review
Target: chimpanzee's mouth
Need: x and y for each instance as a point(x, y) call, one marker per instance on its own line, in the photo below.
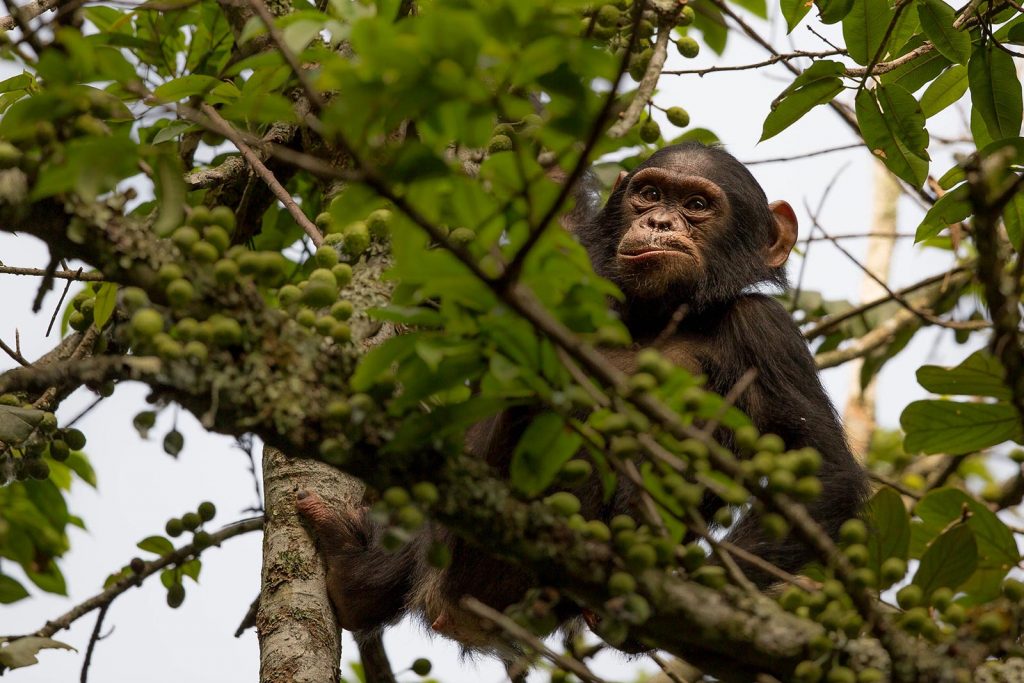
point(649, 253)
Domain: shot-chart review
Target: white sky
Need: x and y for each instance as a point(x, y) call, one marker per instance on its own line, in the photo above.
point(140, 487)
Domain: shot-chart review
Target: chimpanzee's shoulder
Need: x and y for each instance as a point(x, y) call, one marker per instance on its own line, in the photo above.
point(759, 309)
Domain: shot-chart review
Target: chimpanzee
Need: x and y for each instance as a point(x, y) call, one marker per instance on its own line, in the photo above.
point(685, 236)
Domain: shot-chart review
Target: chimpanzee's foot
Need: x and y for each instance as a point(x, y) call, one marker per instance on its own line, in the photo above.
point(335, 531)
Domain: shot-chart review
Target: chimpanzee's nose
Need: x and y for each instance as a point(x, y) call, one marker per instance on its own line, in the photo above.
point(660, 220)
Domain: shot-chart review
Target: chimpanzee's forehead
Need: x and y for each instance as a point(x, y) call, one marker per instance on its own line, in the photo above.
point(694, 162)
point(716, 165)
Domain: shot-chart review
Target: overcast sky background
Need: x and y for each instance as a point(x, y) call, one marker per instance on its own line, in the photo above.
point(140, 487)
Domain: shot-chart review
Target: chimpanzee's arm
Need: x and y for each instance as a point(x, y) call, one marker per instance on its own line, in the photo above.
point(787, 399)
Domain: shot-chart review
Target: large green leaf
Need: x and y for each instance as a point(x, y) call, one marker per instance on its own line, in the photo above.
point(890, 528)
point(905, 117)
point(952, 207)
point(948, 88)
point(912, 75)
point(544, 447)
point(864, 28)
point(937, 21)
point(831, 11)
point(794, 11)
point(890, 135)
point(106, 300)
point(995, 91)
point(934, 426)
point(11, 590)
point(949, 560)
point(1013, 217)
point(981, 374)
point(817, 85)
point(16, 423)
point(996, 548)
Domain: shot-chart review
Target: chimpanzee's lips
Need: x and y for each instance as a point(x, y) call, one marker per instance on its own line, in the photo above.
point(648, 253)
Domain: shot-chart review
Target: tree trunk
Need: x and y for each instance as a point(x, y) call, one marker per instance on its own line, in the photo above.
point(299, 636)
point(300, 641)
point(859, 414)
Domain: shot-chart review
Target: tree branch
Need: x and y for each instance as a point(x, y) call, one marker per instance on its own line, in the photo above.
point(107, 596)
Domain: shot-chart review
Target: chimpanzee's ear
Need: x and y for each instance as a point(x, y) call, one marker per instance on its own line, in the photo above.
point(785, 233)
point(622, 176)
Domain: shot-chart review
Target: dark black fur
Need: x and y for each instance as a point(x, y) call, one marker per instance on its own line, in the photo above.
point(725, 332)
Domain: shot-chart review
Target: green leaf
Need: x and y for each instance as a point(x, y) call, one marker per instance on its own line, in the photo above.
point(864, 28)
point(831, 11)
point(186, 86)
point(544, 447)
point(710, 22)
point(192, 568)
point(670, 511)
point(172, 130)
point(11, 590)
point(934, 426)
point(905, 117)
point(937, 22)
point(997, 549)
point(889, 522)
point(106, 300)
point(981, 374)
point(819, 84)
point(794, 11)
point(157, 545)
point(79, 464)
point(170, 190)
point(949, 560)
point(1013, 217)
point(50, 579)
point(944, 90)
point(379, 360)
point(888, 135)
point(995, 91)
point(20, 82)
point(48, 500)
point(16, 423)
point(952, 207)
point(90, 166)
point(912, 75)
point(758, 8)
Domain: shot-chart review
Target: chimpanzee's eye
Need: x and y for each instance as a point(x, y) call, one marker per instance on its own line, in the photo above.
point(697, 203)
point(649, 193)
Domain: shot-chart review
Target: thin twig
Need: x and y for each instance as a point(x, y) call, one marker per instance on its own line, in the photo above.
point(523, 636)
point(14, 354)
point(806, 155)
point(886, 67)
point(807, 243)
point(511, 271)
point(861, 235)
point(93, 639)
point(279, 191)
point(178, 556)
point(316, 99)
point(58, 274)
point(830, 322)
point(648, 82)
point(774, 59)
point(923, 315)
point(60, 302)
point(894, 484)
point(28, 11)
point(880, 51)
